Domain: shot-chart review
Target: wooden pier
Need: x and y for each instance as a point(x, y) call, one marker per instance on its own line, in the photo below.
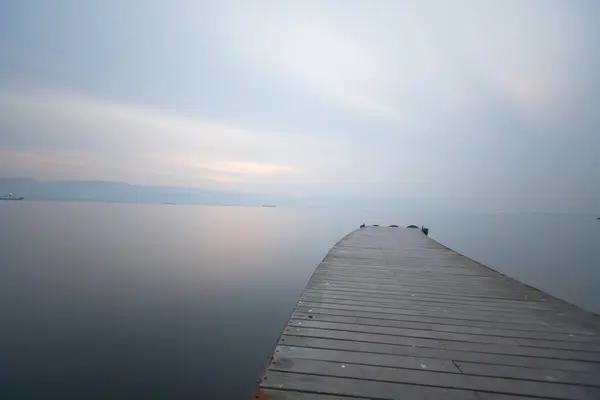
point(392, 314)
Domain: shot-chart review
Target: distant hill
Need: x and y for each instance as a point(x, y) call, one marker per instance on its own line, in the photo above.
point(103, 191)
point(122, 192)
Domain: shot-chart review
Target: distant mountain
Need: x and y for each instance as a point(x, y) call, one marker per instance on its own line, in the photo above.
point(103, 191)
point(121, 192)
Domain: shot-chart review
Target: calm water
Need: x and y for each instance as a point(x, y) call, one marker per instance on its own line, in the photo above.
point(159, 301)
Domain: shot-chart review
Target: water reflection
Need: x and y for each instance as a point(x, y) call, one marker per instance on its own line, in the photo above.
point(152, 301)
point(121, 301)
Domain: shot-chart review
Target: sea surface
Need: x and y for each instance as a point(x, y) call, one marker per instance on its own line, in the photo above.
point(124, 301)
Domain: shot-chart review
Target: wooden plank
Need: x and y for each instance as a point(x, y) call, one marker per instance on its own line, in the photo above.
point(392, 314)
point(423, 277)
point(411, 281)
point(432, 334)
point(522, 322)
point(410, 304)
point(427, 279)
point(434, 299)
point(433, 295)
point(567, 339)
point(587, 346)
point(536, 374)
point(424, 352)
point(456, 312)
point(416, 333)
point(425, 291)
point(390, 287)
point(274, 394)
point(443, 344)
point(440, 365)
point(307, 353)
point(497, 396)
point(360, 388)
point(328, 309)
point(425, 377)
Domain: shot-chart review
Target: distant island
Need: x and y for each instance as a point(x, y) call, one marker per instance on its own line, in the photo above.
point(122, 192)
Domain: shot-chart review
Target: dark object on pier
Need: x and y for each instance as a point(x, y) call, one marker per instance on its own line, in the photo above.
point(393, 226)
point(363, 225)
point(423, 229)
point(375, 225)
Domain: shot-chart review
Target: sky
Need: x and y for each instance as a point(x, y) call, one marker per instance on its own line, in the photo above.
point(341, 98)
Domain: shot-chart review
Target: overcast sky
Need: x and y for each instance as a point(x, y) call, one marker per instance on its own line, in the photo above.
point(426, 98)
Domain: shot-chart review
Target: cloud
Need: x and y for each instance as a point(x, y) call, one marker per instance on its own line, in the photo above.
point(55, 133)
point(326, 59)
point(60, 132)
point(249, 168)
point(335, 97)
point(406, 61)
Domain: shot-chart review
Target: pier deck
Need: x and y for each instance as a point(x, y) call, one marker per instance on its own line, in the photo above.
point(392, 314)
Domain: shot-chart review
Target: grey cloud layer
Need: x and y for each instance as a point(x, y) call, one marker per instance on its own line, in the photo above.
point(441, 99)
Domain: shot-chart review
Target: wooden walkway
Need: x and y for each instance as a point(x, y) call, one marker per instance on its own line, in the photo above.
point(392, 314)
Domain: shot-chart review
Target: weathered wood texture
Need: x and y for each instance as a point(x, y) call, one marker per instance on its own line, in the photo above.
point(392, 314)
